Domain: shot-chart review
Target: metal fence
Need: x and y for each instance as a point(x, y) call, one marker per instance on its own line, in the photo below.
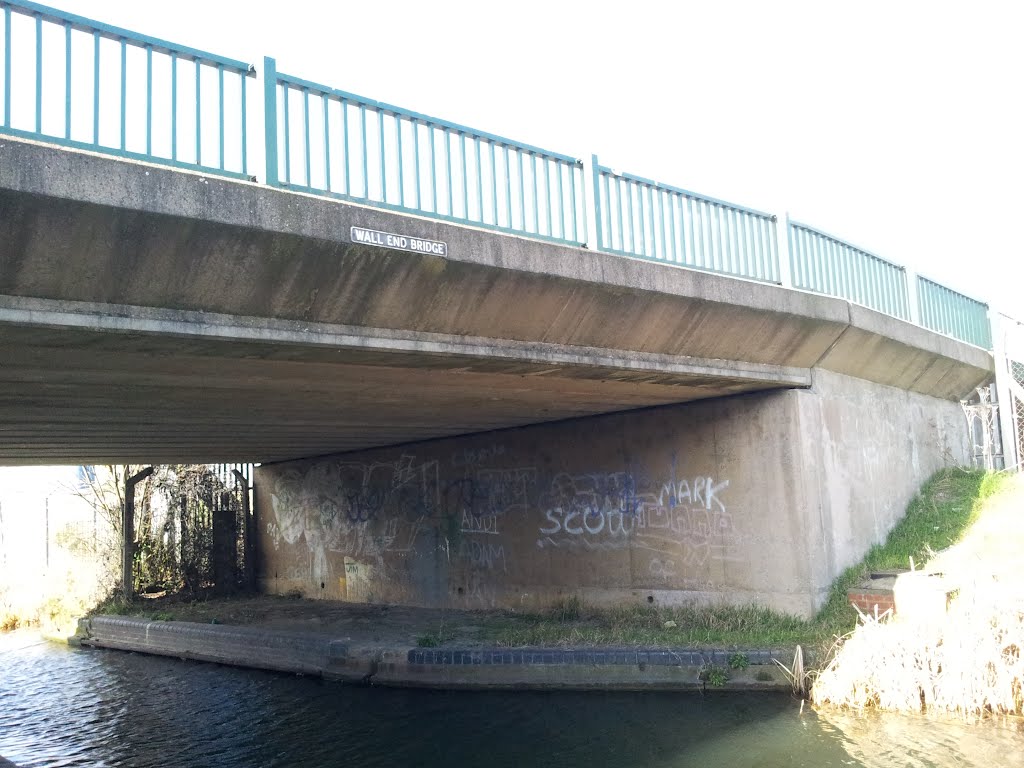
point(826, 264)
point(89, 85)
point(640, 217)
point(325, 140)
point(944, 310)
point(82, 83)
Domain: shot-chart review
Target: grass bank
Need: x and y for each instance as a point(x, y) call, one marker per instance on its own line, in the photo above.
point(958, 650)
point(937, 518)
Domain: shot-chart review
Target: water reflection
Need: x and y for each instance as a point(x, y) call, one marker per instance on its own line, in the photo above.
point(62, 707)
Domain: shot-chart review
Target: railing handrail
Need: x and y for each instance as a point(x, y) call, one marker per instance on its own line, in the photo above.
point(83, 24)
point(603, 169)
point(743, 239)
point(814, 231)
point(419, 117)
point(937, 284)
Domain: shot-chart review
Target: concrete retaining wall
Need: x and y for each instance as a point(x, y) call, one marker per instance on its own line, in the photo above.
point(313, 653)
point(762, 498)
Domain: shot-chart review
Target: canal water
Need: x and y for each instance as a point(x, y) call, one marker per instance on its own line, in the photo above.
point(74, 707)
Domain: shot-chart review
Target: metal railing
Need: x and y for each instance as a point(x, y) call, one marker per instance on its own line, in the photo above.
point(81, 83)
point(324, 140)
point(85, 84)
point(826, 264)
point(640, 217)
point(944, 310)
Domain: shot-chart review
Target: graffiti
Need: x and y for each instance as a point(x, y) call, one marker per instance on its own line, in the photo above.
point(483, 555)
point(469, 457)
point(685, 523)
point(355, 509)
point(471, 523)
point(490, 492)
point(275, 534)
point(357, 583)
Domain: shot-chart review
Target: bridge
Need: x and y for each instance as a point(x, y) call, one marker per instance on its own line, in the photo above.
point(475, 372)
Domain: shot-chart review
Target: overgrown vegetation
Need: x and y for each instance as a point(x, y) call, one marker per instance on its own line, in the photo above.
point(945, 507)
point(964, 658)
point(936, 519)
point(714, 677)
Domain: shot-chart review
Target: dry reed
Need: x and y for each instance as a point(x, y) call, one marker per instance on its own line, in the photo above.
point(964, 661)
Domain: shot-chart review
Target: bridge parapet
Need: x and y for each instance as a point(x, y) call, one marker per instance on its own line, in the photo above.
point(192, 109)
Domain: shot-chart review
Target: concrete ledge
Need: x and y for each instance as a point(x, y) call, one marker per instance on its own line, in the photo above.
point(318, 654)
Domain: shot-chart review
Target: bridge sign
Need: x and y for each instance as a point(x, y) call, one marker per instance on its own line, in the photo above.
point(401, 242)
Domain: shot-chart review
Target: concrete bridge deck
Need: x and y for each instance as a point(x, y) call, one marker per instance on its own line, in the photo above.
point(158, 314)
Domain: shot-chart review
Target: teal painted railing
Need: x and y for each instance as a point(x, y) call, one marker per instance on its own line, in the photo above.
point(640, 217)
point(81, 83)
point(944, 310)
point(826, 264)
point(85, 84)
point(329, 141)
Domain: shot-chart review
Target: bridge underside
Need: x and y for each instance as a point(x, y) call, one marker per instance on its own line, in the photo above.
point(163, 387)
point(149, 314)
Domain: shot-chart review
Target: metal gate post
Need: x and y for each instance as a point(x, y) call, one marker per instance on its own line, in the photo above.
point(128, 531)
point(249, 572)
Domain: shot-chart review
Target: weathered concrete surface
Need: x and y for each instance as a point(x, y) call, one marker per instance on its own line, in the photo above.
point(310, 652)
point(90, 381)
point(755, 498)
point(240, 322)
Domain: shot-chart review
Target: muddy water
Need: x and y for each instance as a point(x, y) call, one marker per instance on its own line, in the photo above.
point(66, 707)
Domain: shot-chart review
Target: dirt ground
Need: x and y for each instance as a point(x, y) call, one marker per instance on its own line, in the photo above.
point(358, 623)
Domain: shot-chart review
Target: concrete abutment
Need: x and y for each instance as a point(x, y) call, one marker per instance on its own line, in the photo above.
point(760, 498)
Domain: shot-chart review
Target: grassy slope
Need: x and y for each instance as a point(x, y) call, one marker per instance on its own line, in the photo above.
point(935, 519)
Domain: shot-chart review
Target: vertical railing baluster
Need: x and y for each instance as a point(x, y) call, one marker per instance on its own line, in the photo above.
point(608, 212)
point(401, 166)
point(174, 110)
point(450, 177)
point(307, 153)
point(383, 158)
point(96, 88)
point(39, 74)
point(325, 106)
point(286, 121)
point(67, 80)
point(508, 186)
point(416, 161)
point(522, 189)
point(572, 200)
point(366, 157)
point(149, 100)
point(632, 230)
point(465, 174)
point(220, 112)
point(245, 150)
point(493, 154)
point(7, 66)
point(479, 180)
point(432, 137)
point(346, 146)
point(199, 114)
point(560, 203)
point(536, 196)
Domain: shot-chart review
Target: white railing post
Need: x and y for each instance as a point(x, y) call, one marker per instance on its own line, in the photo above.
point(913, 305)
point(782, 240)
point(1002, 349)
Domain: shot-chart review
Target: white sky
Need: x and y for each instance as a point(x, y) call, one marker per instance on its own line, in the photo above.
point(898, 126)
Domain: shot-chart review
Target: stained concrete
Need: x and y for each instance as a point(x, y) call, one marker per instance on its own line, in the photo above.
point(391, 659)
point(153, 314)
point(754, 498)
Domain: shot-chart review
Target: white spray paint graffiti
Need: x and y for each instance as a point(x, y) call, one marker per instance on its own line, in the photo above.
point(685, 524)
